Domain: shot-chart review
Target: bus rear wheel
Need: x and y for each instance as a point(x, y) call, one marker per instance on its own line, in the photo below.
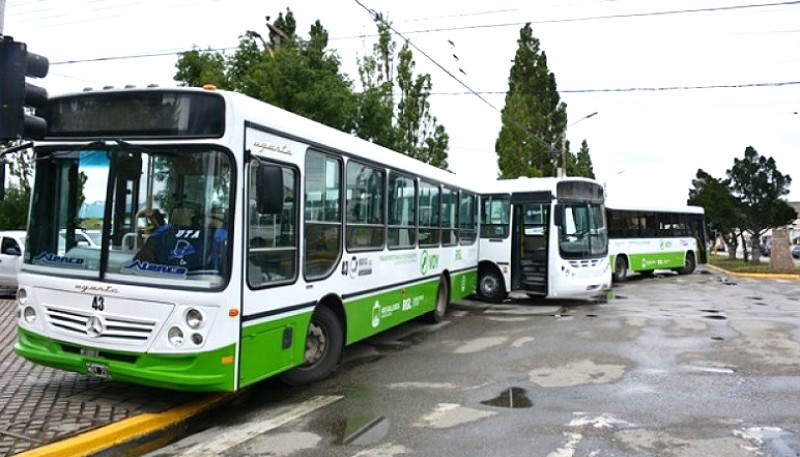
point(490, 286)
point(324, 348)
point(620, 269)
point(689, 264)
point(442, 300)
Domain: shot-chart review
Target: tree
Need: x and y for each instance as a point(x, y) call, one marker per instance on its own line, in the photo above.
point(408, 126)
point(759, 186)
point(721, 207)
point(534, 117)
point(301, 76)
point(580, 164)
point(14, 207)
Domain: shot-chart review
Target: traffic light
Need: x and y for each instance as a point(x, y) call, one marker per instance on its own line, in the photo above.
point(15, 94)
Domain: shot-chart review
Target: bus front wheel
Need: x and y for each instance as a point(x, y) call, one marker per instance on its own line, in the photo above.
point(620, 268)
point(324, 348)
point(490, 286)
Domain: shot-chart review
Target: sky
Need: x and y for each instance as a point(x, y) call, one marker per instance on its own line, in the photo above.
point(677, 85)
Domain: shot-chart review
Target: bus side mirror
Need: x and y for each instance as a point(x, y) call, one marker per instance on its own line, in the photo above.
point(269, 189)
point(559, 215)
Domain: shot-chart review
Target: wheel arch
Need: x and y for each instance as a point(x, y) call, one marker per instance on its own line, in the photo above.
point(485, 265)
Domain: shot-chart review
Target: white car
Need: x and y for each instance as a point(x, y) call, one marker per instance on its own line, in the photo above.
point(82, 238)
point(12, 245)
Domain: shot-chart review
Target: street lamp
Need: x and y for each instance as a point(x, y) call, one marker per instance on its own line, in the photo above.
point(564, 144)
point(605, 183)
point(583, 118)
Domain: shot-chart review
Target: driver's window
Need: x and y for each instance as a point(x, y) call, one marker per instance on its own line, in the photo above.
point(272, 237)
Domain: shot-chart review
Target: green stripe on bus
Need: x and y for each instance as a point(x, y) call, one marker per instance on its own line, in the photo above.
point(370, 315)
point(656, 261)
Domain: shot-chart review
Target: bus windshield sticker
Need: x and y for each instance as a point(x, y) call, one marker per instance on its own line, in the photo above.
point(140, 267)
point(55, 259)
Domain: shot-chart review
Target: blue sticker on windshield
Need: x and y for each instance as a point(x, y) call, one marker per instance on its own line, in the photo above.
point(55, 259)
point(142, 267)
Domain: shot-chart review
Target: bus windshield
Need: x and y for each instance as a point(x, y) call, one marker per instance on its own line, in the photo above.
point(583, 231)
point(160, 215)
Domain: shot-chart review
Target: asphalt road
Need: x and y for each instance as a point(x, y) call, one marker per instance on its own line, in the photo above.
point(698, 365)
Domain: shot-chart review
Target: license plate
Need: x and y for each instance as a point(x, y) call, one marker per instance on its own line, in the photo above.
point(97, 370)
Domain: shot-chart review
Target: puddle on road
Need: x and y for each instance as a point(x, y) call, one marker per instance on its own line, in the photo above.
point(716, 317)
point(369, 433)
point(717, 338)
point(360, 429)
point(513, 397)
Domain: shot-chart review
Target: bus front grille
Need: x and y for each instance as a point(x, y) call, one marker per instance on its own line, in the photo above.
point(98, 326)
point(585, 263)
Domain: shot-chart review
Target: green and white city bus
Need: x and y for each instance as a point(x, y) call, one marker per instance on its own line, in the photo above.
point(545, 237)
point(239, 241)
point(643, 239)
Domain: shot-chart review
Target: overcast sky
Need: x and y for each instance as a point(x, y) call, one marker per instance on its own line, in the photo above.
point(677, 85)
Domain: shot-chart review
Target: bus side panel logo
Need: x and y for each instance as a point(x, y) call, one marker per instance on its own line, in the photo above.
point(376, 314)
point(428, 262)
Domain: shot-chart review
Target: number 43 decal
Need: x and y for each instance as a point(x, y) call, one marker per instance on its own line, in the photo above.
point(97, 304)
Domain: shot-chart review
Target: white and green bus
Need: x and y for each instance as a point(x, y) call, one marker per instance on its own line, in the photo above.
point(545, 237)
point(643, 239)
point(239, 241)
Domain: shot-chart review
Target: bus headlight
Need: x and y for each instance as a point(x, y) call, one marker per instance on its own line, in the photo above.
point(29, 314)
point(194, 318)
point(175, 336)
point(197, 339)
point(22, 296)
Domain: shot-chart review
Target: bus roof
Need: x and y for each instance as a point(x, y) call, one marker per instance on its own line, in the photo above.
point(295, 127)
point(527, 184)
point(691, 209)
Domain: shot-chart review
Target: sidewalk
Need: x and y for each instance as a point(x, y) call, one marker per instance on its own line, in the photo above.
point(48, 412)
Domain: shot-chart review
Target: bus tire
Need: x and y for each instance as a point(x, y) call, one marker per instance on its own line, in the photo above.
point(689, 264)
point(620, 269)
point(491, 287)
point(442, 300)
point(323, 352)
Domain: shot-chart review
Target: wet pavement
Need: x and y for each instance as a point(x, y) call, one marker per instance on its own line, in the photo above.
point(705, 365)
point(41, 407)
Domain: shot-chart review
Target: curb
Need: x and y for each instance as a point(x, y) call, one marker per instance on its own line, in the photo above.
point(755, 275)
point(125, 431)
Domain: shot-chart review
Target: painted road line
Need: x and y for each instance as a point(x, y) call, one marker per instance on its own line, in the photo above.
point(241, 433)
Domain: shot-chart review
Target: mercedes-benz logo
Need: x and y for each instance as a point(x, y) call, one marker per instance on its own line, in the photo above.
point(94, 326)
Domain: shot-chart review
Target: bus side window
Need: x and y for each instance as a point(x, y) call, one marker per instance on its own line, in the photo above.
point(323, 227)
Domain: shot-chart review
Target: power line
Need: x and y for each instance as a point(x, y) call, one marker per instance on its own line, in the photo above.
point(470, 91)
point(374, 15)
point(643, 89)
point(591, 18)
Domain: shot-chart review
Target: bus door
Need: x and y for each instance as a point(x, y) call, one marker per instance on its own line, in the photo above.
point(529, 256)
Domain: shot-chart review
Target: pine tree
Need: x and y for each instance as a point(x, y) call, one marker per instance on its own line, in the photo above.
point(534, 118)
